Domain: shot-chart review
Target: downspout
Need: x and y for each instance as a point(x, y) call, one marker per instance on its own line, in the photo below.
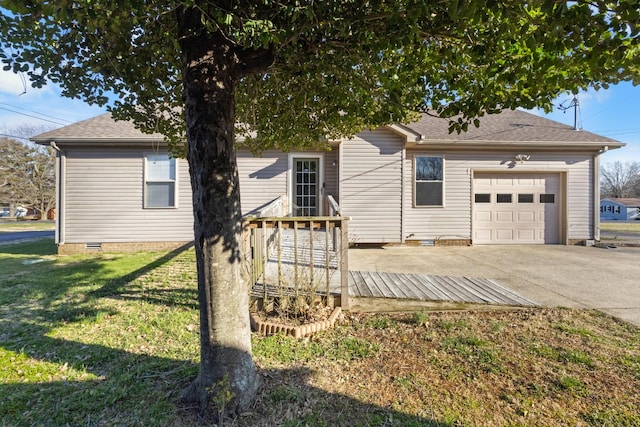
point(596, 193)
point(402, 193)
point(339, 172)
point(61, 158)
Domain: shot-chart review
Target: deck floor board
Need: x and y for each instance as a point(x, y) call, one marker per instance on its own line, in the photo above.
point(434, 288)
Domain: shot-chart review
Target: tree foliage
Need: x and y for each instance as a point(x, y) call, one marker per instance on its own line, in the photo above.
point(26, 176)
point(295, 73)
point(620, 179)
point(337, 66)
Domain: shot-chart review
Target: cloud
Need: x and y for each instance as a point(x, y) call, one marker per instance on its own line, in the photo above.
point(10, 83)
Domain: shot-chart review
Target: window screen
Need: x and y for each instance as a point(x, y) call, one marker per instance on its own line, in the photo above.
point(160, 181)
point(429, 181)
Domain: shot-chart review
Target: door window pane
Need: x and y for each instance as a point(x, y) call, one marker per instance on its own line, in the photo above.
point(483, 198)
point(306, 187)
point(547, 198)
point(525, 198)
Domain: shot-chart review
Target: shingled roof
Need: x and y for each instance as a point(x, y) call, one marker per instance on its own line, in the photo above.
point(627, 201)
point(510, 126)
point(100, 128)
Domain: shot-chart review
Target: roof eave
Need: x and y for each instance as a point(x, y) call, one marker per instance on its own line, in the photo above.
point(531, 145)
point(402, 130)
point(99, 141)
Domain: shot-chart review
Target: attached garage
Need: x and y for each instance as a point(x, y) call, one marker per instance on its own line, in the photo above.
point(517, 208)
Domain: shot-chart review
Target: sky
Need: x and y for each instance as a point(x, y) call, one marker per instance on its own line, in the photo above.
point(614, 113)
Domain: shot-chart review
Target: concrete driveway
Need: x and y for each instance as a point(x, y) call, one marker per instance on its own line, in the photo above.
point(555, 276)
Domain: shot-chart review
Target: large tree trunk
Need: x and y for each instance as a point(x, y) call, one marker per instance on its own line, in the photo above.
point(211, 71)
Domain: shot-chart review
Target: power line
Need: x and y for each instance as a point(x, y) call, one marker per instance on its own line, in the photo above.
point(36, 112)
point(617, 133)
point(35, 117)
point(14, 136)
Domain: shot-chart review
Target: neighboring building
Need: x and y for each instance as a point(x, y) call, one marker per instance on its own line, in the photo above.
point(619, 209)
point(517, 179)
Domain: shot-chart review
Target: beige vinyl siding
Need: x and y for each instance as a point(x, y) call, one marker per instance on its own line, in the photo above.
point(104, 199)
point(454, 220)
point(371, 186)
point(580, 198)
point(331, 173)
point(262, 178)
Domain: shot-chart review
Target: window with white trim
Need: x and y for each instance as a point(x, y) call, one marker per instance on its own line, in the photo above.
point(159, 181)
point(429, 181)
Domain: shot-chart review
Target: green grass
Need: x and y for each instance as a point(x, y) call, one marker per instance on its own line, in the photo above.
point(621, 226)
point(12, 226)
point(111, 340)
point(84, 340)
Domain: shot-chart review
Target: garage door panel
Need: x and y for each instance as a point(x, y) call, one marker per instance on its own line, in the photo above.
point(526, 216)
point(482, 235)
point(503, 181)
point(529, 212)
point(483, 216)
point(504, 235)
point(526, 182)
point(527, 235)
point(504, 216)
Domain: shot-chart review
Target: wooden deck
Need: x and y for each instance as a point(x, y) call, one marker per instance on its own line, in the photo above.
point(376, 291)
point(442, 291)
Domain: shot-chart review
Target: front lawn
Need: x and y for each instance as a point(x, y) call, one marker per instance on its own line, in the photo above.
point(112, 339)
point(19, 225)
point(633, 227)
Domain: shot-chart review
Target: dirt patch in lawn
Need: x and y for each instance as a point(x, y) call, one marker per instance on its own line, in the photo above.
point(529, 367)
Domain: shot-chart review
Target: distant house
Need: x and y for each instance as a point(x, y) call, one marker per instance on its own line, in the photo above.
point(517, 179)
point(619, 209)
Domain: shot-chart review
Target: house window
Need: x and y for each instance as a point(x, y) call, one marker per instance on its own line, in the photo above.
point(159, 181)
point(429, 181)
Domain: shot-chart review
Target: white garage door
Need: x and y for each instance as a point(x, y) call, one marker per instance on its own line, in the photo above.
point(516, 208)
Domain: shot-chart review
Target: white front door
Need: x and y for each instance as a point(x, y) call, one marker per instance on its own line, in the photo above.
point(306, 183)
point(516, 208)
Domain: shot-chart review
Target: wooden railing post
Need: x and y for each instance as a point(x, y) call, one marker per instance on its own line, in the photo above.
point(312, 285)
point(327, 261)
point(344, 264)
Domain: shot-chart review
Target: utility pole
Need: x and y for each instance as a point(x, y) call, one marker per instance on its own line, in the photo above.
point(574, 103)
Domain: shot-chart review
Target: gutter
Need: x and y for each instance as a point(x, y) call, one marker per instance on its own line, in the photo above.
point(61, 165)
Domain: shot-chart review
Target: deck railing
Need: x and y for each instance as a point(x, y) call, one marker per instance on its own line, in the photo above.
point(291, 255)
point(334, 207)
point(276, 208)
